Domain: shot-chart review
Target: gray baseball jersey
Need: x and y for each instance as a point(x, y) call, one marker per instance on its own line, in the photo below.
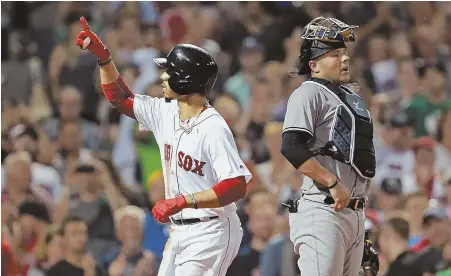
point(311, 109)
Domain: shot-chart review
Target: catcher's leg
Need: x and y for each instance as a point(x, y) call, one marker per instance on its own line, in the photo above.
point(320, 239)
point(353, 258)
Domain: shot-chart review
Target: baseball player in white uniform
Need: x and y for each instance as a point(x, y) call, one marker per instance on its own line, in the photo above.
point(203, 172)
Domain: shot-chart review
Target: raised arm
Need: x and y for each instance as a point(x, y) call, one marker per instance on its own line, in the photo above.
point(113, 86)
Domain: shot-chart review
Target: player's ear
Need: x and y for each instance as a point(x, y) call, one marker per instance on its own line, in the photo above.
point(314, 67)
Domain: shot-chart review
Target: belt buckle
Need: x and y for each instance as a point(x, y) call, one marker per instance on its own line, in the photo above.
point(176, 222)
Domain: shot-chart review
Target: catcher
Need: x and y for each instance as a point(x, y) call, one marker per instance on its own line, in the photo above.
point(328, 136)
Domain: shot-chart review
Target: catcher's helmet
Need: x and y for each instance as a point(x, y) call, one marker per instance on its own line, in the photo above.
point(321, 36)
point(191, 69)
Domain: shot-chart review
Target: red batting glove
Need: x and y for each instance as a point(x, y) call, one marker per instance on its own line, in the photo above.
point(163, 209)
point(95, 46)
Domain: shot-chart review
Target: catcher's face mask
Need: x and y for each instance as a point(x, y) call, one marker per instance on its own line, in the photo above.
point(321, 36)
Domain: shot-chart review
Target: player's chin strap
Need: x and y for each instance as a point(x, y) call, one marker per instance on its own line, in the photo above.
point(370, 259)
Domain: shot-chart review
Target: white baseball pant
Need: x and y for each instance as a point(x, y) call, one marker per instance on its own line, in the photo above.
point(202, 249)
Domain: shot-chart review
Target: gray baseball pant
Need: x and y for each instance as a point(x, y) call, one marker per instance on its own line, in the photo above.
point(329, 243)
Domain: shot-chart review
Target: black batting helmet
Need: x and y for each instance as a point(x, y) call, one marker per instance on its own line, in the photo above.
point(191, 69)
point(321, 36)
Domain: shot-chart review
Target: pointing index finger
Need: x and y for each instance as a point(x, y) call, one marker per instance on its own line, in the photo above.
point(85, 25)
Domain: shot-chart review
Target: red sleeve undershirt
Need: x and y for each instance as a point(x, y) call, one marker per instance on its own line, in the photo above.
point(120, 97)
point(230, 190)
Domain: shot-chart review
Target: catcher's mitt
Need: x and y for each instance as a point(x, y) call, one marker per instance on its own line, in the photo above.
point(370, 259)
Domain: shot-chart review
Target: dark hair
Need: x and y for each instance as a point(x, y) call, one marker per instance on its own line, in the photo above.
point(400, 226)
point(68, 220)
point(441, 124)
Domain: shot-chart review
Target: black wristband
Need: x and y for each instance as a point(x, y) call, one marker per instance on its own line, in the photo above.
point(194, 201)
point(333, 185)
point(105, 62)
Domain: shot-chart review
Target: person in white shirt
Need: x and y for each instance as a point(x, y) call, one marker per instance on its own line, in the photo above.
point(46, 177)
point(395, 158)
point(204, 175)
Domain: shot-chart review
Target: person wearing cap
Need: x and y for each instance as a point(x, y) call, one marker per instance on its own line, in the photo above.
point(395, 156)
point(324, 121)
point(251, 58)
point(386, 199)
point(425, 109)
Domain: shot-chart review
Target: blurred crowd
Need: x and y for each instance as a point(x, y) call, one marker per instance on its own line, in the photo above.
point(78, 178)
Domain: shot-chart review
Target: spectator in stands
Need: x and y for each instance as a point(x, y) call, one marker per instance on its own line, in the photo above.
point(69, 107)
point(415, 204)
point(92, 195)
point(229, 108)
point(261, 225)
point(26, 138)
point(387, 198)
point(393, 244)
point(130, 258)
point(278, 257)
point(17, 186)
point(424, 177)
point(275, 172)
point(395, 154)
point(34, 220)
point(443, 148)
point(69, 65)
point(50, 252)
point(126, 38)
point(436, 227)
point(75, 260)
point(259, 115)
point(70, 144)
point(23, 75)
point(155, 233)
point(407, 78)
point(251, 59)
point(425, 109)
point(382, 70)
point(251, 202)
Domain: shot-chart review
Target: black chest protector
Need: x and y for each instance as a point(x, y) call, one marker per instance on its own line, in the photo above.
point(351, 135)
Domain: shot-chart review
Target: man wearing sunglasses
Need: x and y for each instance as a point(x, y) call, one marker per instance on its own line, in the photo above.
point(328, 136)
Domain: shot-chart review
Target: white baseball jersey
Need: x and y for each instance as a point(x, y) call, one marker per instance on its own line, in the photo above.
point(196, 154)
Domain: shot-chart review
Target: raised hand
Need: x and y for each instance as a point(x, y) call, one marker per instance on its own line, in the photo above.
point(88, 40)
